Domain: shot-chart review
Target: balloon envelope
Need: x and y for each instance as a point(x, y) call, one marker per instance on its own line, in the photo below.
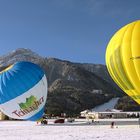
point(23, 91)
point(123, 59)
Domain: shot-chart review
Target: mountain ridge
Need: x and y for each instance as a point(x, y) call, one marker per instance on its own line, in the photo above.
point(72, 87)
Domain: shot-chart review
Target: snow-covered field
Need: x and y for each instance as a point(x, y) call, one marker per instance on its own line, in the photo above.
point(79, 130)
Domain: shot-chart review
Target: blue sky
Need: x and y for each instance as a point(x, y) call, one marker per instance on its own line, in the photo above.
point(74, 30)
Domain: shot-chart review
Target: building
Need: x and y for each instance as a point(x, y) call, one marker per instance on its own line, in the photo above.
point(108, 114)
point(104, 115)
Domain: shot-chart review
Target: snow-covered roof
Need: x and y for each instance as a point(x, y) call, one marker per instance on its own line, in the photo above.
point(85, 111)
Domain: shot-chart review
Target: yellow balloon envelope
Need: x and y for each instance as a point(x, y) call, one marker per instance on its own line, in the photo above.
point(123, 59)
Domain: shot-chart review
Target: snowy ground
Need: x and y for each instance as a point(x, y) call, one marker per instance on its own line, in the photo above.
point(79, 130)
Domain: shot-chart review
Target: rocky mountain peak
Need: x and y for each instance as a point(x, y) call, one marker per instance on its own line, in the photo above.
point(20, 54)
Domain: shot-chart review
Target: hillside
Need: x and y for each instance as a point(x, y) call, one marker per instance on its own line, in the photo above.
point(73, 87)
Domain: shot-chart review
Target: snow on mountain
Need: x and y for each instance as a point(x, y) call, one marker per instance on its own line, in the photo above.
point(109, 105)
point(20, 54)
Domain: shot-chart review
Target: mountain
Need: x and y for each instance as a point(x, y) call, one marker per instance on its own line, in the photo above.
point(76, 88)
point(20, 54)
point(127, 104)
point(73, 87)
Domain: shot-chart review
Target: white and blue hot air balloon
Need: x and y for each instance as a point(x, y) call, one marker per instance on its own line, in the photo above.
point(23, 91)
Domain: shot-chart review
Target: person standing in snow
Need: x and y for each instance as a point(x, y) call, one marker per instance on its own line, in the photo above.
point(112, 124)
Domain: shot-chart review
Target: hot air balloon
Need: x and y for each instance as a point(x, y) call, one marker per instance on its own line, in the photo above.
point(123, 59)
point(23, 91)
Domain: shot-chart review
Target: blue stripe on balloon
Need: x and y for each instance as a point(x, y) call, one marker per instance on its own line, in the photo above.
point(18, 80)
point(37, 116)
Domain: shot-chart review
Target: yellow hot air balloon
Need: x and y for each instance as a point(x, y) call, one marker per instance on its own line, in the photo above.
point(123, 59)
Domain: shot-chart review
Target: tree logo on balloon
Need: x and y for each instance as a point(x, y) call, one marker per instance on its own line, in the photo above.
point(29, 103)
